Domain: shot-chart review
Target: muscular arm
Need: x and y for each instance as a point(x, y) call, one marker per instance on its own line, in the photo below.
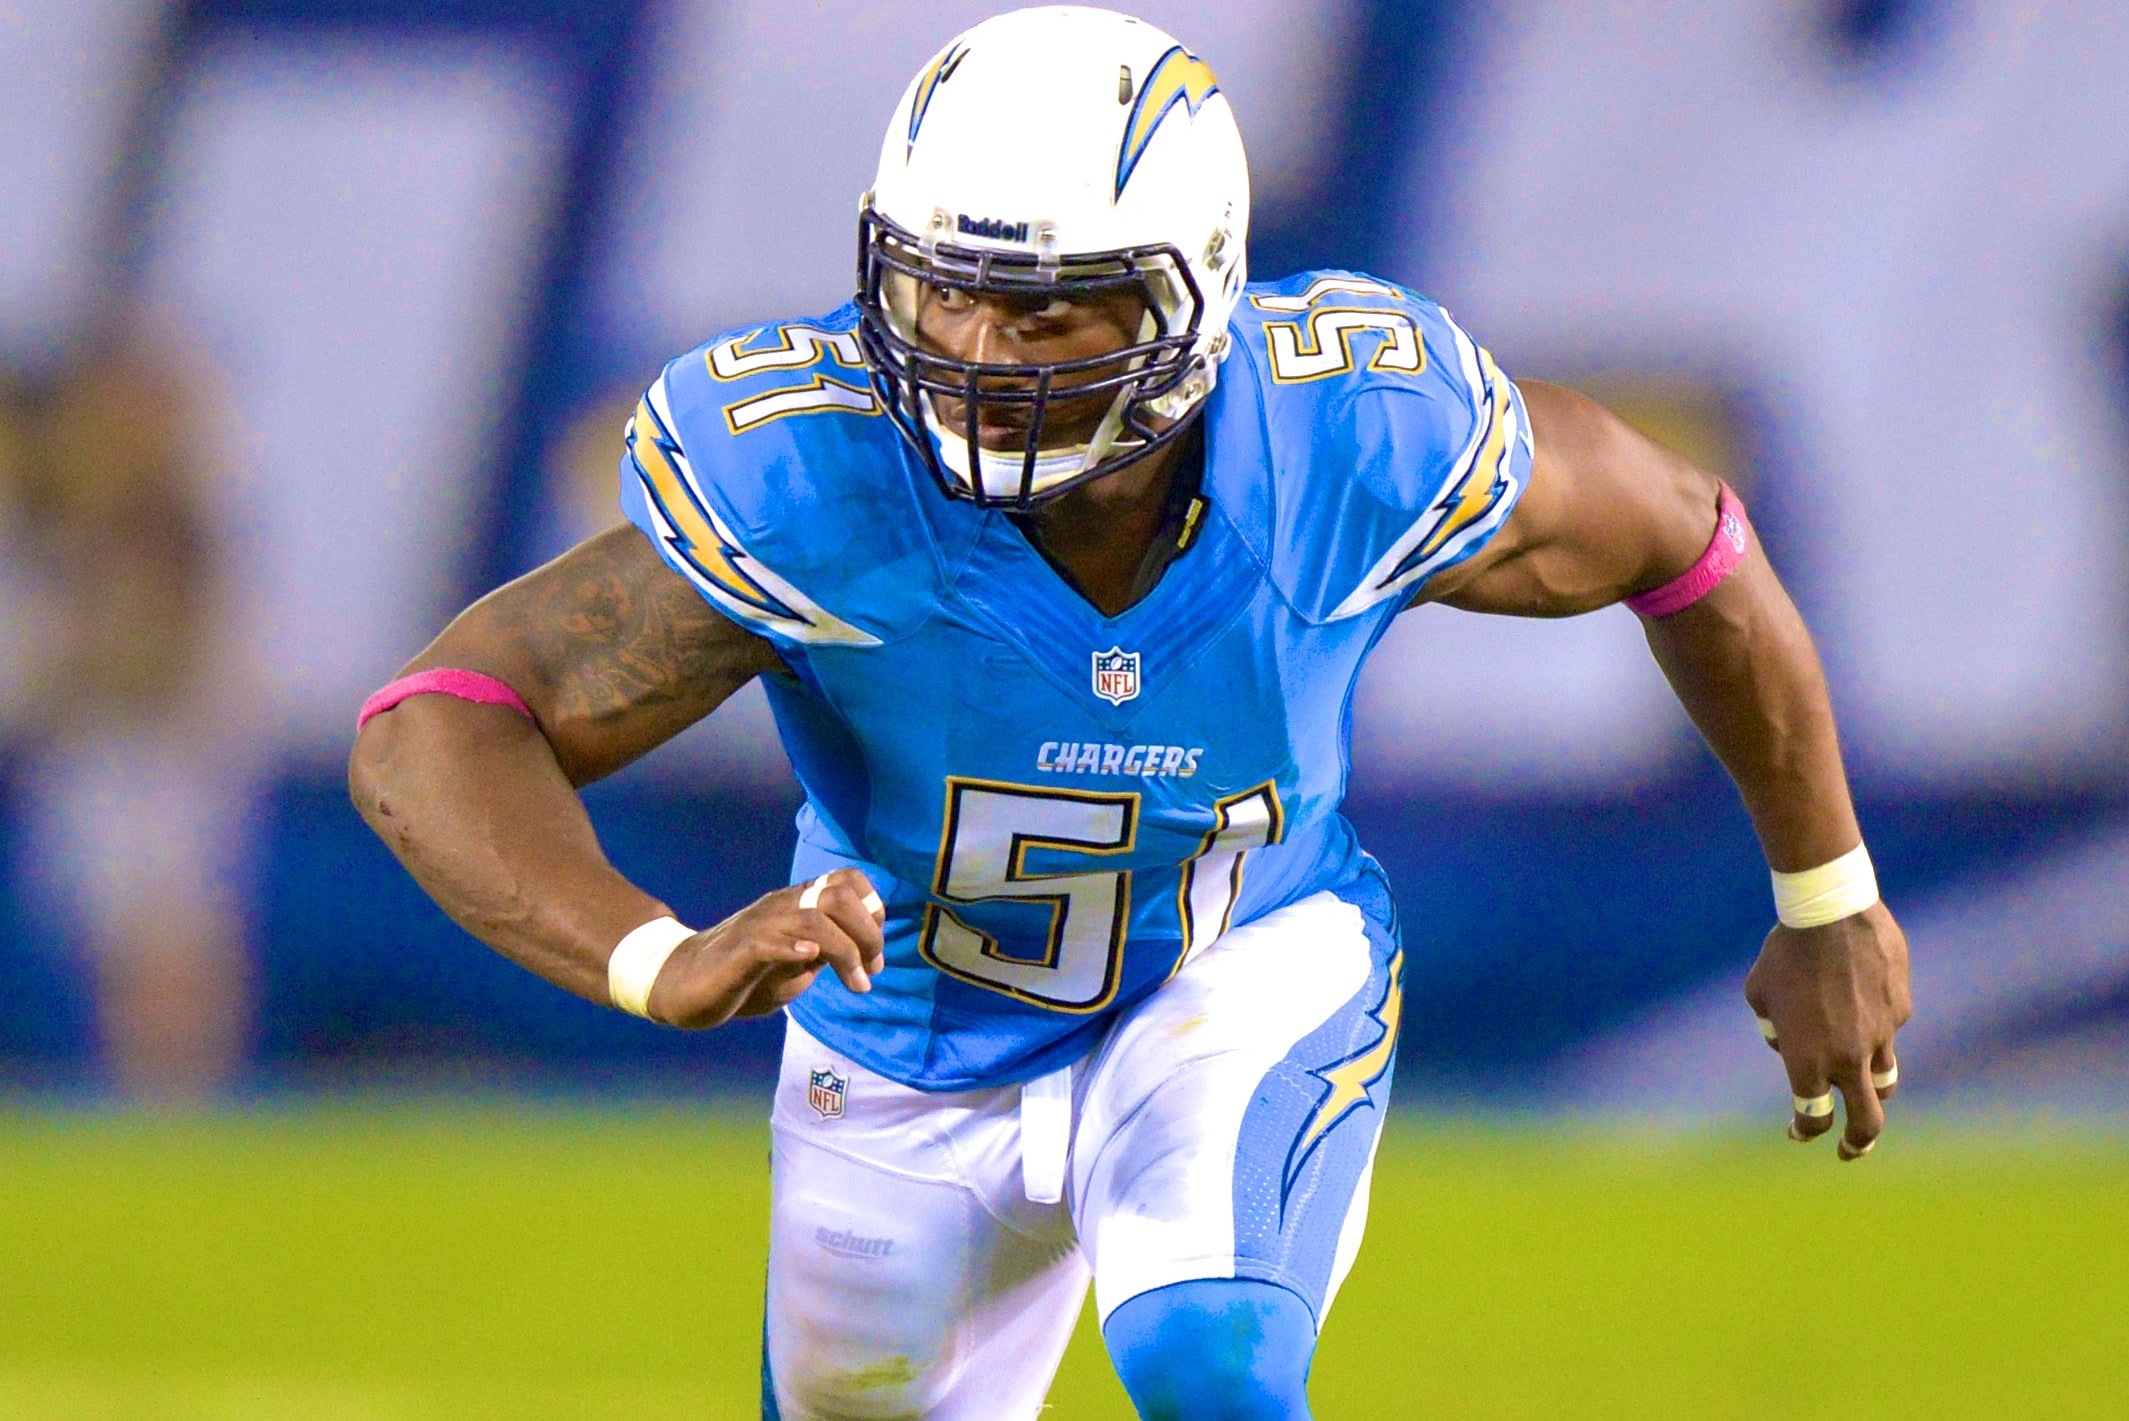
point(615, 654)
point(1608, 514)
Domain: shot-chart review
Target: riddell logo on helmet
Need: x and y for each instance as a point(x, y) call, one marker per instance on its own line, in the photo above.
point(993, 229)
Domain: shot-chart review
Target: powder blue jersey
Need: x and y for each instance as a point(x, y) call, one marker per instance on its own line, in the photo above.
point(1060, 807)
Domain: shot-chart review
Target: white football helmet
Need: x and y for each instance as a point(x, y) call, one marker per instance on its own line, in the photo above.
point(1070, 152)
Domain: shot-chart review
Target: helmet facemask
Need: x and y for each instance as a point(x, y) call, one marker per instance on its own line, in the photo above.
point(1143, 390)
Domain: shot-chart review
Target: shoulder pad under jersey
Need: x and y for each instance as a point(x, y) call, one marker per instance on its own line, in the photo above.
point(762, 468)
point(1396, 446)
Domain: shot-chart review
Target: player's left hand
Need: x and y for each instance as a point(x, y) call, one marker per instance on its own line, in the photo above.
point(1829, 1000)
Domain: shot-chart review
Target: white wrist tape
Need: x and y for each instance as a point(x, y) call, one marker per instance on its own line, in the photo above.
point(637, 959)
point(1828, 893)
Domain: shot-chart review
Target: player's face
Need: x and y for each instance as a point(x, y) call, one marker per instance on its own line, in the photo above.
point(989, 328)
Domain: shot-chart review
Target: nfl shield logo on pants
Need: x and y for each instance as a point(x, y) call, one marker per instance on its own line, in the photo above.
point(1116, 675)
point(825, 1091)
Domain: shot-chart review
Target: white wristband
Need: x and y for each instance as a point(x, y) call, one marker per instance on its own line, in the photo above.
point(1828, 893)
point(636, 960)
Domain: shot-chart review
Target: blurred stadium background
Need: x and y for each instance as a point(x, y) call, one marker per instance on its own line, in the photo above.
point(318, 317)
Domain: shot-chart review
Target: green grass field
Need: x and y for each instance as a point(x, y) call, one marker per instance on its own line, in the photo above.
point(391, 1260)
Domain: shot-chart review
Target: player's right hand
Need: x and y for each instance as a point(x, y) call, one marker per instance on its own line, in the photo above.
point(770, 951)
point(1830, 1000)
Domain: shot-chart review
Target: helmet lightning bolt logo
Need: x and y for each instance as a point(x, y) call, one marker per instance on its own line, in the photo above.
point(942, 69)
point(1350, 1080)
point(1179, 77)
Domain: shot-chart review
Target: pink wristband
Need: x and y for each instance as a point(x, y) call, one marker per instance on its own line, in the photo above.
point(1733, 534)
point(444, 681)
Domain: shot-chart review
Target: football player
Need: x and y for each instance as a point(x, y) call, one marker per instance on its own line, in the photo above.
point(1058, 552)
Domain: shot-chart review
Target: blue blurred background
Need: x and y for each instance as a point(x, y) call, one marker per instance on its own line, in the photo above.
point(320, 317)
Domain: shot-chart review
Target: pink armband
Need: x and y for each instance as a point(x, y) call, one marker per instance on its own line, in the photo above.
point(444, 681)
point(1725, 551)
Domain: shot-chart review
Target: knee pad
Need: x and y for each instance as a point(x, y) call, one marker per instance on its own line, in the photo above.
point(1219, 1349)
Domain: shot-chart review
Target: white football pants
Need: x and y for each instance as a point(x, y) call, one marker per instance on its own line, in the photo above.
point(1225, 1127)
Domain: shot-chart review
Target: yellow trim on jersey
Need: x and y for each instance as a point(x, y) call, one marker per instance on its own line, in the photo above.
point(797, 346)
point(1298, 357)
point(1470, 500)
point(706, 546)
point(1480, 484)
point(822, 394)
point(1120, 927)
point(1222, 824)
point(690, 531)
point(1323, 286)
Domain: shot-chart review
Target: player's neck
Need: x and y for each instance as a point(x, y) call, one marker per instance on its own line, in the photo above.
point(1102, 535)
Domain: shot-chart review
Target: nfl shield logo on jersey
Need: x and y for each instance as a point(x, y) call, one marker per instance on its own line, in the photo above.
point(1116, 675)
point(825, 1091)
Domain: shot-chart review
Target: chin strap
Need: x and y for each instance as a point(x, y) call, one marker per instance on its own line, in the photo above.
point(1000, 476)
